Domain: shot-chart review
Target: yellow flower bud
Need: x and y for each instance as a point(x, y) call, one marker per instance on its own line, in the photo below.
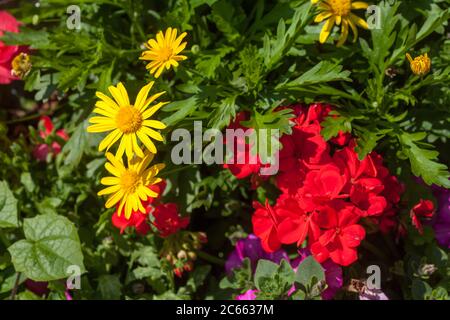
point(420, 65)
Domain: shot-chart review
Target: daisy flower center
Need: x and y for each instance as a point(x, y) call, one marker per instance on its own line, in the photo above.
point(129, 119)
point(129, 181)
point(165, 53)
point(340, 7)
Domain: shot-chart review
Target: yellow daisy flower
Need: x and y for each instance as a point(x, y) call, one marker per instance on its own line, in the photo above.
point(420, 65)
point(340, 11)
point(127, 122)
point(129, 185)
point(163, 52)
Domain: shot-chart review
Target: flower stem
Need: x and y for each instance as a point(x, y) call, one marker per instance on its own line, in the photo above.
point(207, 257)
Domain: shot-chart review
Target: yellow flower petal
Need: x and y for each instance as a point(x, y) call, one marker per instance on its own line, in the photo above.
point(110, 181)
point(148, 113)
point(359, 21)
point(96, 128)
point(359, 5)
point(344, 33)
point(110, 139)
point(109, 190)
point(147, 142)
point(326, 30)
point(142, 95)
point(152, 133)
point(107, 100)
point(117, 95)
point(322, 16)
point(154, 124)
point(112, 200)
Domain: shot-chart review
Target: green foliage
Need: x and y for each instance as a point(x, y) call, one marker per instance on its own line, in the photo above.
point(8, 207)
point(51, 245)
point(243, 56)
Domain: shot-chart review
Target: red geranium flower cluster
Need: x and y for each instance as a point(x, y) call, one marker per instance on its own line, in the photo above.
point(165, 217)
point(325, 192)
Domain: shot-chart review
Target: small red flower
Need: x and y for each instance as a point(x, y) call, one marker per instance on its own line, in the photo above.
point(341, 236)
point(295, 223)
point(243, 162)
point(167, 219)
point(42, 150)
point(265, 226)
point(424, 210)
point(322, 185)
point(138, 220)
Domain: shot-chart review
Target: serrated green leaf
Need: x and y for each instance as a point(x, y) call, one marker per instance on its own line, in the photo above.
point(423, 161)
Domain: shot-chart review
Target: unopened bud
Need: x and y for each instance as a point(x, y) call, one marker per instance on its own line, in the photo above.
point(192, 255)
point(178, 272)
point(202, 237)
point(427, 269)
point(182, 255)
point(188, 266)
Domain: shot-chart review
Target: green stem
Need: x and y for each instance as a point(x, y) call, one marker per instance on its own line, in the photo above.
point(16, 286)
point(24, 119)
point(207, 257)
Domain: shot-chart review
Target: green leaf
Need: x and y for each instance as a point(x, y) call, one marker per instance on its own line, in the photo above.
point(324, 71)
point(109, 287)
point(423, 161)
point(273, 281)
point(309, 270)
point(51, 246)
point(183, 109)
point(228, 18)
point(333, 125)
point(223, 113)
point(368, 139)
point(420, 290)
point(265, 269)
point(8, 207)
point(275, 49)
point(73, 150)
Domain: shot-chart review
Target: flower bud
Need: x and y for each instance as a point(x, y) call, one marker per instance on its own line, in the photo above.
point(182, 255)
point(192, 255)
point(178, 272)
point(420, 65)
point(427, 269)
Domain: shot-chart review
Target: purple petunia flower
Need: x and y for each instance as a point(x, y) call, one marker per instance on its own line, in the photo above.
point(441, 223)
point(248, 295)
point(251, 248)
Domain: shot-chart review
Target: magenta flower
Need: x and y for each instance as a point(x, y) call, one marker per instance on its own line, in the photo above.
point(251, 248)
point(248, 295)
point(441, 223)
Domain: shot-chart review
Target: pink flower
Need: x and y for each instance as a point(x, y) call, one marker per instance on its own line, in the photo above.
point(7, 53)
point(248, 295)
point(42, 150)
